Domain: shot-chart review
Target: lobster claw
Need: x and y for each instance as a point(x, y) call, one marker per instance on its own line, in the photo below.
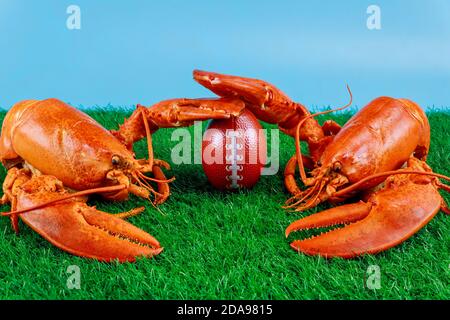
point(266, 101)
point(79, 229)
point(254, 91)
point(391, 216)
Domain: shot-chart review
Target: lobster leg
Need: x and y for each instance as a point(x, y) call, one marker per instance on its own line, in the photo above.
point(167, 114)
point(163, 187)
point(331, 128)
point(289, 173)
point(77, 228)
point(7, 198)
point(316, 147)
point(14, 177)
point(175, 113)
point(389, 217)
point(267, 102)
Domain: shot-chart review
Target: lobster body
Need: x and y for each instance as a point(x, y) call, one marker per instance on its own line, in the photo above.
point(379, 138)
point(59, 140)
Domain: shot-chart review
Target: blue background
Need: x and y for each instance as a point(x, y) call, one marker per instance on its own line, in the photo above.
point(131, 52)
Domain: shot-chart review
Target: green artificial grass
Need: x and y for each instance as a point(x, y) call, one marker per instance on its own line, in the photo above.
point(229, 245)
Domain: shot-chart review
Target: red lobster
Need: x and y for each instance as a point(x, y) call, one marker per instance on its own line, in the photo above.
point(371, 147)
point(51, 149)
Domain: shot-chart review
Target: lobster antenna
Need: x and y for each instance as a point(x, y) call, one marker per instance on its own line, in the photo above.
point(444, 186)
point(149, 137)
point(154, 179)
point(65, 197)
point(298, 150)
point(390, 173)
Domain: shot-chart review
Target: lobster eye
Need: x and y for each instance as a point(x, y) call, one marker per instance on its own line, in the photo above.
point(337, 166)
point(115, 160)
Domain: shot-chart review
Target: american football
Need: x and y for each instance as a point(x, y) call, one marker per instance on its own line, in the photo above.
point(234, 152)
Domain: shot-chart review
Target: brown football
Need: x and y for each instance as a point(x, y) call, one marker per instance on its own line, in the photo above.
point(234, 152)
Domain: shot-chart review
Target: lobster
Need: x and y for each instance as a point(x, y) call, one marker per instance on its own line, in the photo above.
point(374, 145)
point(271, 105)
point(346, 162)
point(57, 155)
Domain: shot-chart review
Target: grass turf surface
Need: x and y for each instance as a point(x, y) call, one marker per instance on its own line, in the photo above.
point(229, 245)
